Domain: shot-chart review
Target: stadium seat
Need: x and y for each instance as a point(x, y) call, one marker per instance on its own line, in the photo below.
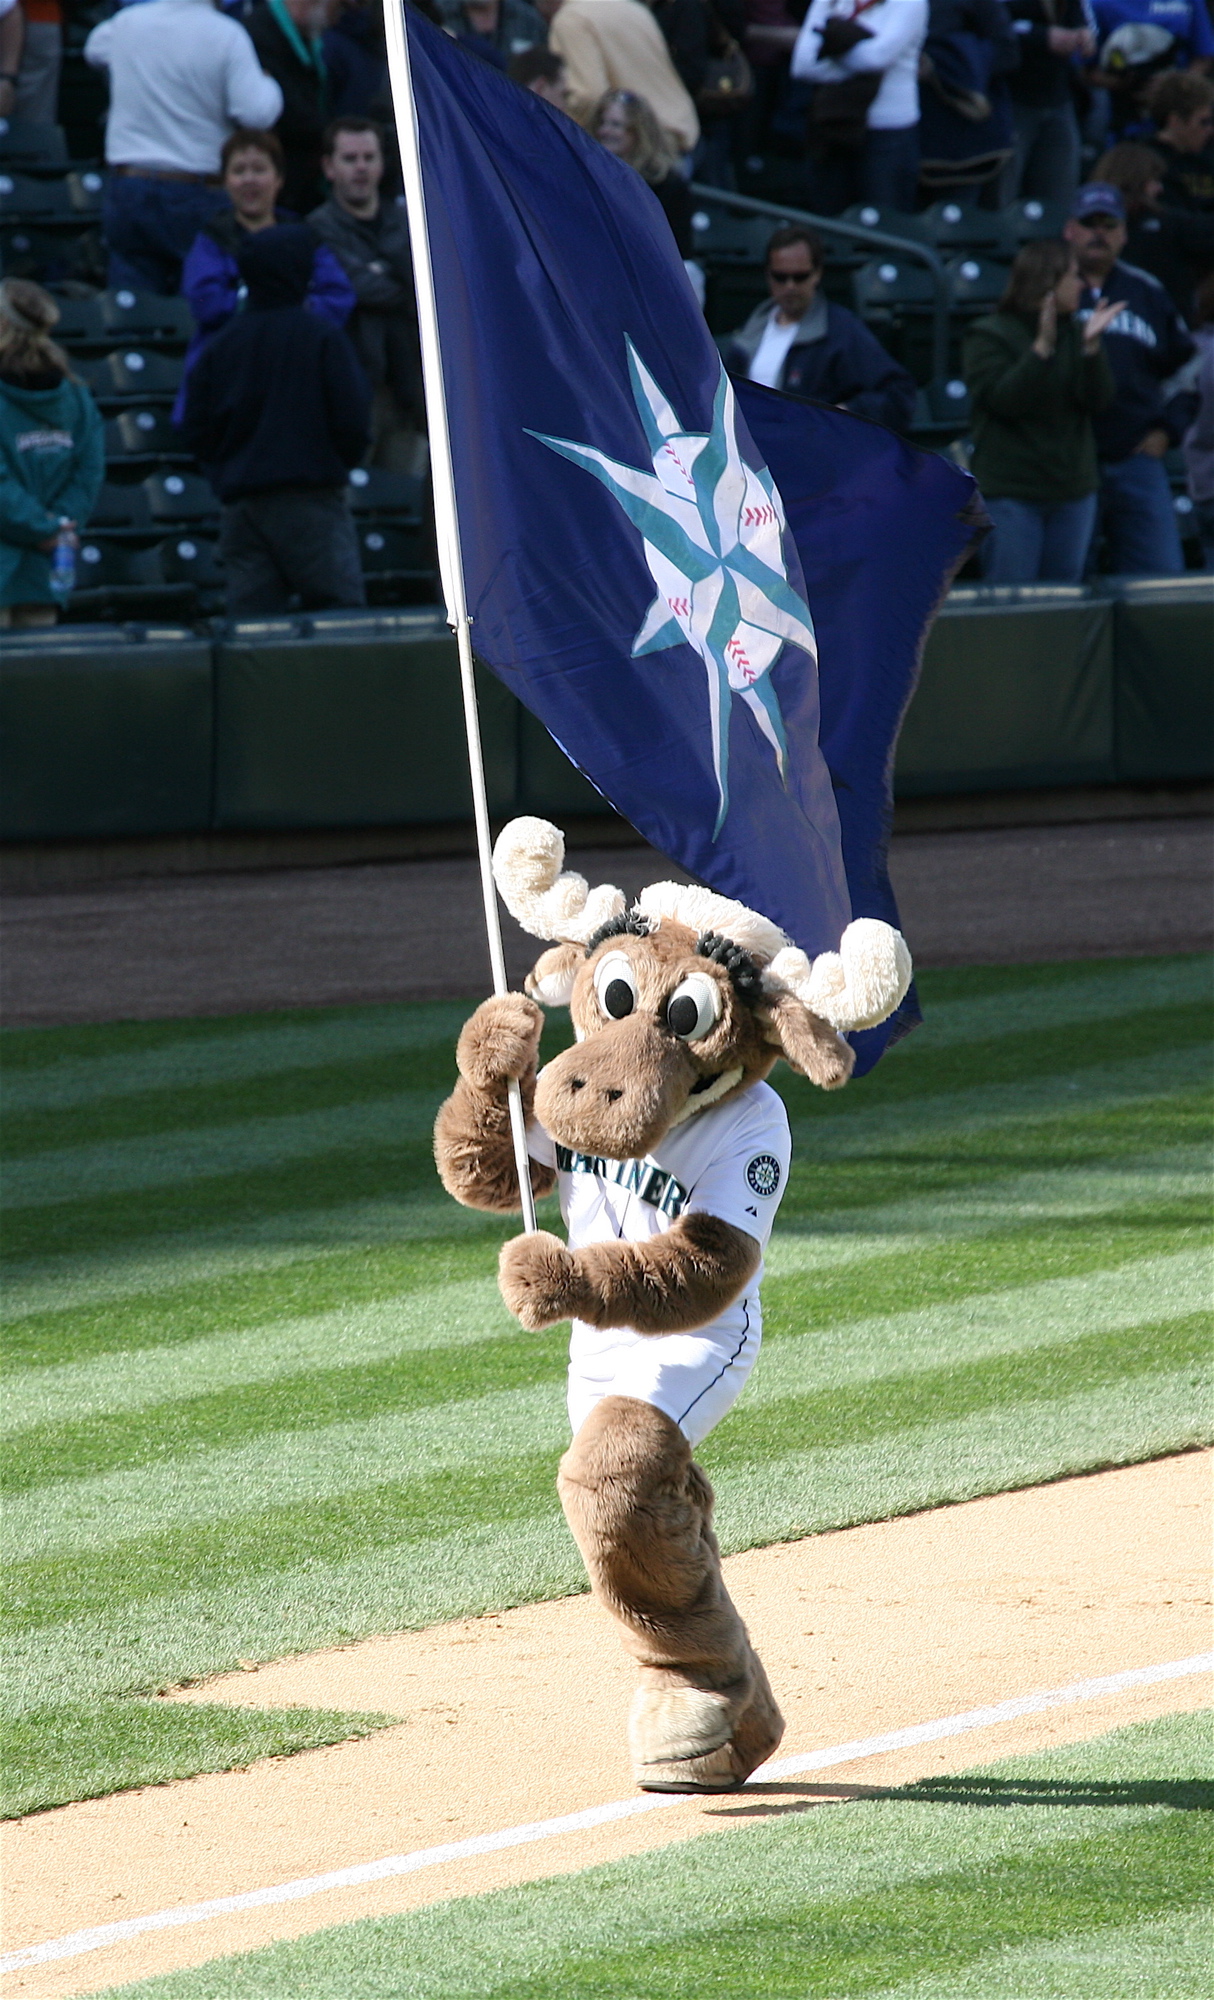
point(911, 228)
point(887, 285)
point(180, 496)
point(1031, 220)
point(123, 508)
point(86, 192)
point(719, 237)
point(948, 405)
point(390, 553)
point(192, 559)
point(79, 323)
point(975, 284)
point(144, 435)
point(40, 200)
point(23, 144)
point(128, 373)
point(373, 491)
point(102, 564)
point(144, 317)
point(953, 227)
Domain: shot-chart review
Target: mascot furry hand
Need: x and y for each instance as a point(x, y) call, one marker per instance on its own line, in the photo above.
point(671, 1153)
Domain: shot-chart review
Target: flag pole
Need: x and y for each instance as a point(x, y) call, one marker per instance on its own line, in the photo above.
point(446, 521)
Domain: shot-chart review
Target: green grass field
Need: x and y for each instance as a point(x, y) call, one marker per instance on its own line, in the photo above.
point(1083, 1874)
point(261, 1394)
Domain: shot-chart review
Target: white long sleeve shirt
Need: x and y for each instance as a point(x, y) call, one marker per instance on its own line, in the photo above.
point(182, 76)
point(897, 31)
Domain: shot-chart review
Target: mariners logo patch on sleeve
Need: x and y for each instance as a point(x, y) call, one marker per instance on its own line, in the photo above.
point(763, 1174)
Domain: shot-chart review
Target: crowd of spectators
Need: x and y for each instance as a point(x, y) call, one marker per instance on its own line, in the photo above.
point(250, 167)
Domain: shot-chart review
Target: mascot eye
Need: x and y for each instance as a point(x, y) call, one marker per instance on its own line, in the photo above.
point(694, 1008)
point(615, 986)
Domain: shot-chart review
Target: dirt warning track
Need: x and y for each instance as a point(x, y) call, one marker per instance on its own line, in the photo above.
point(518, 1718)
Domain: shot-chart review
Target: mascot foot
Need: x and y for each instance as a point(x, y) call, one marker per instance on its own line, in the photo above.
point(689, 1739)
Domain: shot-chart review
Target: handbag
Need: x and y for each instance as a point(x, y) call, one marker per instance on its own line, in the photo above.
point(729, 82)
point(838, 112)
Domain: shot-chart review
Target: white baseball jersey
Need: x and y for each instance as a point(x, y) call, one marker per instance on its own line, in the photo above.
point(731, 1162)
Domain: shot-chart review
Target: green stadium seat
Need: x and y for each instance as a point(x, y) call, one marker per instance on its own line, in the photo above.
point(41, 200)
point(144, 435)
point(180, 496)
point(891, 285)
point(129, 373)
point(975, 284)
point(146, 318)
point(911, 228)
point(24, 144)
point(373, 491)
point(721, 238)
point(121, 508)
point(80, 323)
point(1031, 220)
point(952, 226)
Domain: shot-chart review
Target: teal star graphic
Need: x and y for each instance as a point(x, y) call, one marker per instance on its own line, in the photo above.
point(712, 528)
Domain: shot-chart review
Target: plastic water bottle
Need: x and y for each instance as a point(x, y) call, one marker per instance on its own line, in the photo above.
point(63, 564)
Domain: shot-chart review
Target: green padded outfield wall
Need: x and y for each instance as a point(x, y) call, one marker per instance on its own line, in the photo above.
point(1164, 641)
point(360, 724)
point(1016, 691)
point(104, 731)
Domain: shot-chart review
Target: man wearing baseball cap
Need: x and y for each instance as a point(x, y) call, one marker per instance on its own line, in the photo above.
point(1146, 344)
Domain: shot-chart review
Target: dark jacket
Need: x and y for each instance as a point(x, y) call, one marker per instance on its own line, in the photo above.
point(277, 399)
point(519, 27)
point(697, 33)
point(1176, 246)
point(378, 265)
point(52, 462)
point(1147, 344)
point(1032, 419)
point(1188, 178)
point(1041, 78)
point(210, 284)
point(305, 109)
point(833, 359)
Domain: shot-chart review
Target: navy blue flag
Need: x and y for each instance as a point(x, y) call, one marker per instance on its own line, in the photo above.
point(631, 564)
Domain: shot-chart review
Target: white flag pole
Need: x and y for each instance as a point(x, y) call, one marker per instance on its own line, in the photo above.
point(446, 519)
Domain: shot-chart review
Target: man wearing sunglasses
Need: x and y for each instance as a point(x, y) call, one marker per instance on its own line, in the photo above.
point(1146, 344)
point(799, 342)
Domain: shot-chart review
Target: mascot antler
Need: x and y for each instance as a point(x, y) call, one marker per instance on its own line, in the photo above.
point(855, 987)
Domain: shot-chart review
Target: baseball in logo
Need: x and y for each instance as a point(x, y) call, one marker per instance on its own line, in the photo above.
point(763, 1174)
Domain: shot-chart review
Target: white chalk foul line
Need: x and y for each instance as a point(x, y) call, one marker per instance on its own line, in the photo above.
point(96, 1939)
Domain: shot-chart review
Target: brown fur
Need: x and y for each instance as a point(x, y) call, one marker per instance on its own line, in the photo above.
point(473, 1147)
point(808, 1044)
point(640, 1510)
point(667, 1284)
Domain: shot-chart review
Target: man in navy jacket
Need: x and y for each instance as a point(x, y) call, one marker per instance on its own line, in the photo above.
point(799, 342)
point(1147, 344)
point(277, 410)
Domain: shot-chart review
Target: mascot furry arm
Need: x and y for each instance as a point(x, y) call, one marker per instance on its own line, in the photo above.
point(681, 1008)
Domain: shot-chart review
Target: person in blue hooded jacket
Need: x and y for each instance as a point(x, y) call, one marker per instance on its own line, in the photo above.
point(52, 456)
point(252, 167)
point(800, 342)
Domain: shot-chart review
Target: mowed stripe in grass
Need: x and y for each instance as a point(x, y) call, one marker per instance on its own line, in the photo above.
point(258, 1410)
point(1081, 1872)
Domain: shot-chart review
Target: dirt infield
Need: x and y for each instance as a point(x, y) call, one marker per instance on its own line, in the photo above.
point(518, 1717)
point(414, 930)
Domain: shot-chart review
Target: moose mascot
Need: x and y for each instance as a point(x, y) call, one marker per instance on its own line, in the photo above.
point(671, 1153)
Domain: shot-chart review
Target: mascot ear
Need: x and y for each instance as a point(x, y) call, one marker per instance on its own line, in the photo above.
point(551, 978)
point(807, 1043)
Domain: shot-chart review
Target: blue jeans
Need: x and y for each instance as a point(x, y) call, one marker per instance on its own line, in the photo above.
point(1033, 544)
point(889, 168)
point(1138, 518)
point(1046, 162)
point(149, 225)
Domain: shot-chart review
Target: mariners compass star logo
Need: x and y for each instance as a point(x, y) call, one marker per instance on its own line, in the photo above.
point(713, 534)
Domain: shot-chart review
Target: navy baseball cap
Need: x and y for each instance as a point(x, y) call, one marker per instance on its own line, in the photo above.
point(1098, 198)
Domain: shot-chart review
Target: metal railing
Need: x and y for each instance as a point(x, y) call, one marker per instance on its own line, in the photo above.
point(855, 232)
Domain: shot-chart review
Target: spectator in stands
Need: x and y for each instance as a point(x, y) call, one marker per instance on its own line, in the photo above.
point(37, 99)
point(370, 237)
point(543, 73)
point(12, 40)
point(277, 413)
point(1186, 21)
point(495, 29)
point(698, 34)
point(182, 75)
point(1199, 438)
point(1148, 343)
point(610, 45)
point(52, 458)
point(1054, 37)
point(288, 36)
point(966, 127)
point(1173, 244)
point(1182, 106)
point(252, 180)
point(864, 115)
point(356, 63)
point(627, 127)
point(800, 342)
point(1036, 379)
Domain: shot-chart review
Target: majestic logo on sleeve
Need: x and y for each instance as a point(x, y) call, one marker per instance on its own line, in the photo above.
point(713, 534)
point(763, 1174)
